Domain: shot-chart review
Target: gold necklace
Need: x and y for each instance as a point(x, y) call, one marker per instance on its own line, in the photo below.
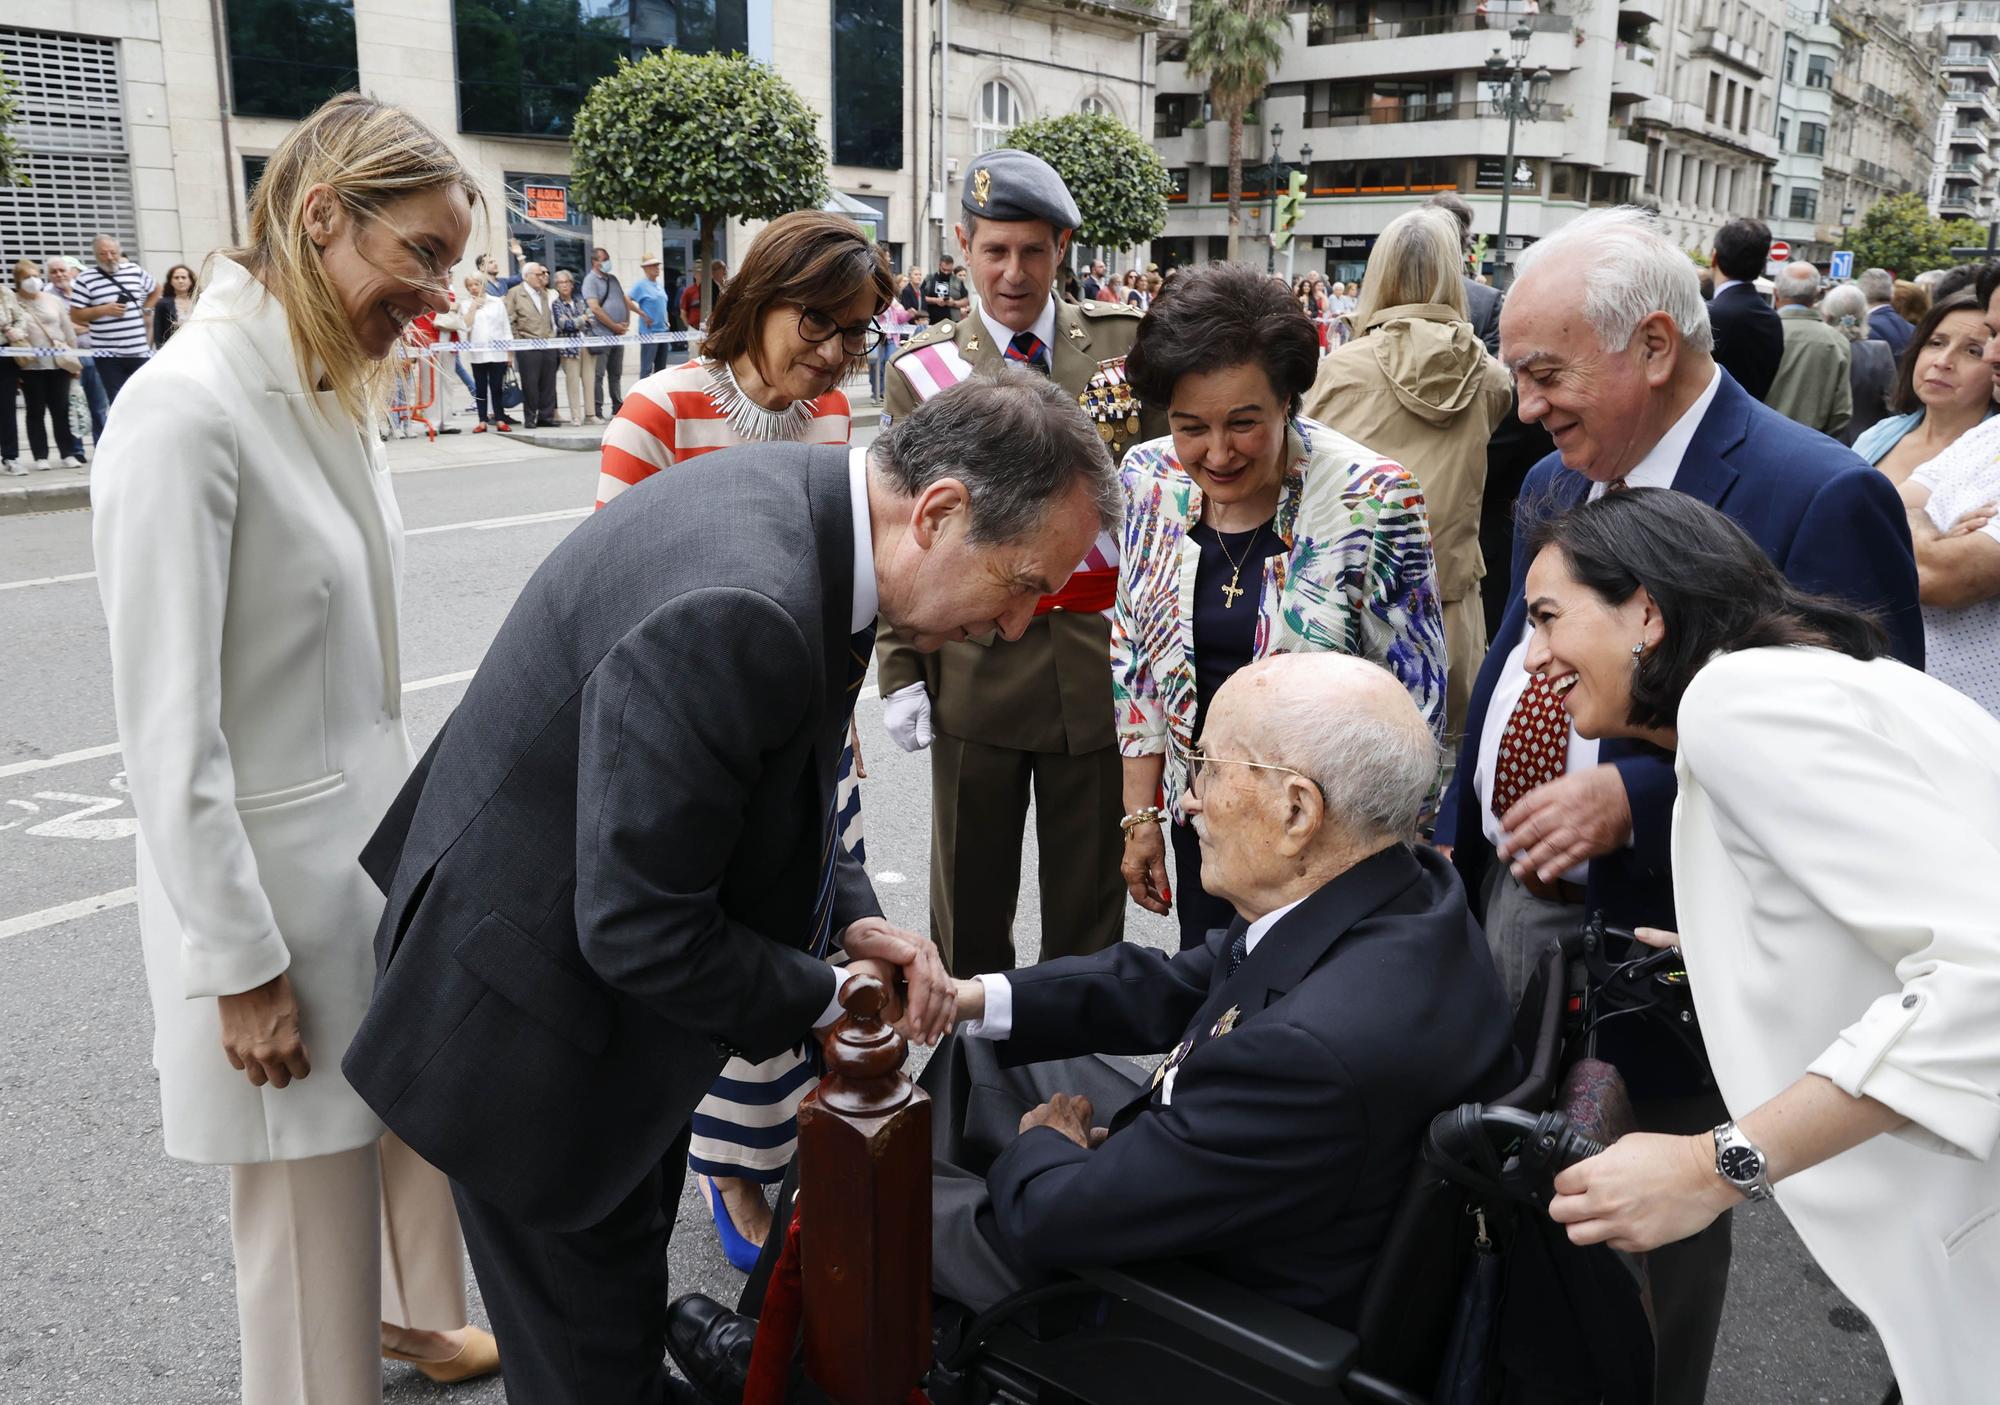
point(1232, 590)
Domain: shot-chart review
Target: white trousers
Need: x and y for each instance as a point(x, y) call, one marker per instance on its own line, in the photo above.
point(328, 1249)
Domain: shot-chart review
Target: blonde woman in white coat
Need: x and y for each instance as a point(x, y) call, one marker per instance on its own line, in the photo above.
point(248, 552)
point(1834, 853)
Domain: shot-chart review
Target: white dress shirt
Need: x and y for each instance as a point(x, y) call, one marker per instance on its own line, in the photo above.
point(867, 600)
point(998, 1021)
point(1044, 330)
point(1656, 470)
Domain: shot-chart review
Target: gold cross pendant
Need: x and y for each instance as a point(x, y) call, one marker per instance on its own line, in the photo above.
point(1230, 592)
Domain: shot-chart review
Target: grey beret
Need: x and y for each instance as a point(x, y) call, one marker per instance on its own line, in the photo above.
point(1015, 185)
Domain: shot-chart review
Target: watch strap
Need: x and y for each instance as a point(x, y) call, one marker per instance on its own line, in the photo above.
point(1729, 1137)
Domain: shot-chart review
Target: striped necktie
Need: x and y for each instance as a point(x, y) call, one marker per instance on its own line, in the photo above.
point(1028, 347)
point(859, 648)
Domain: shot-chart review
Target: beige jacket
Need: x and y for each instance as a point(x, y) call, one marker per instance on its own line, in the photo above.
point(1419, 388)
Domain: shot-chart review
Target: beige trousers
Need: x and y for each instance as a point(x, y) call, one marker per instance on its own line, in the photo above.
point(329, 1248)
point(574, 404)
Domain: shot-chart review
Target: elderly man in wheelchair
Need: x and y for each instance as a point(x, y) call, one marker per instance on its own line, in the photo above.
point(1266, 1173)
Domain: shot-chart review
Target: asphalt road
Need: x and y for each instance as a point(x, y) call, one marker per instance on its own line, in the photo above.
point(115, 1275)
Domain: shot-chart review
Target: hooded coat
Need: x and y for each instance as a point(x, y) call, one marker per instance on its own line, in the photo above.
point(1417, 386)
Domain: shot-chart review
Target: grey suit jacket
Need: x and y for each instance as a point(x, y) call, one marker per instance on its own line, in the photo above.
point(602, 876)
point(1485, 316)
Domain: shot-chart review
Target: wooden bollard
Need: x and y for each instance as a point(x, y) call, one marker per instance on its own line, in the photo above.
point(865, 1211)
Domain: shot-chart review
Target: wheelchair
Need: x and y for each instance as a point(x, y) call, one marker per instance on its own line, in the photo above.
point(1472, 1272)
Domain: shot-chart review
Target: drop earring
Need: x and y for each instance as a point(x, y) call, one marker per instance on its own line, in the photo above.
point(1638, 653)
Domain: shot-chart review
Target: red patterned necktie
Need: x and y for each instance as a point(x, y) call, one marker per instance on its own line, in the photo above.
point(1534, 748)
point(1027, 347)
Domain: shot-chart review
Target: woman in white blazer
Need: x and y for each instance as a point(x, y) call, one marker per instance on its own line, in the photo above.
point(1835, 849)
point(248, 552)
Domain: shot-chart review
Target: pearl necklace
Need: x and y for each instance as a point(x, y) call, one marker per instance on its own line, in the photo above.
point(751, 421)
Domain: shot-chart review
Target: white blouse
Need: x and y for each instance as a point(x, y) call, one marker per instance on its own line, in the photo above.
point(1962, 646)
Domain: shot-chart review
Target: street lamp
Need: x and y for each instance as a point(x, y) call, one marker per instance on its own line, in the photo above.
point(1517, 94)
point(1277, 167)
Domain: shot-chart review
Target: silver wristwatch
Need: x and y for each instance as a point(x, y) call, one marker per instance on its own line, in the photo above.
point(1738, 1161)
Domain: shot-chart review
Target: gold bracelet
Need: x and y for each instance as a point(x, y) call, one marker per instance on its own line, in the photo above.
point(1152, 814)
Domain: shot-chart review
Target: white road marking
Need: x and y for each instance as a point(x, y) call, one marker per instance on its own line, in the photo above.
point(482, 524)
point(92, 753)
point(67, 912)
point(77, 824)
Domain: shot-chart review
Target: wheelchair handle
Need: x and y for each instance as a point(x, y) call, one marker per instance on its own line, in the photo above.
point(1505, 1150)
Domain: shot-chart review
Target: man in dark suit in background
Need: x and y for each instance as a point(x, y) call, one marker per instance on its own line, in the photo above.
point(1749, 338)
point(1481, 299)
point(1312, 1041)
point(1544, 832)
point(1885, 324)
point(615, 867)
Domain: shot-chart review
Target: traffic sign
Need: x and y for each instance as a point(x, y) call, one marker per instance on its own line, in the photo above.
point(1781, 252)
point(1842, 265)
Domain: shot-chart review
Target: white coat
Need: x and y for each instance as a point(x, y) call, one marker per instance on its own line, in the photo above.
point(249, 554)
point(1836, 853)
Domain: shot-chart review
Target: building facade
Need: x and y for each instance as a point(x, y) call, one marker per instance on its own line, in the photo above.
point(1964, 165)
point(1888, 92)
point(151, 119)
point(1810, 59)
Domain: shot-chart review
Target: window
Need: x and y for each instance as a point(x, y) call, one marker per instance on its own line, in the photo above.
point(286, 57)
point(71, 127)
point(1096, 105)
point(1177, 194)
point(1380, 100)
point(868, 83)
point(1714, 96)
point(1819, 71)
point(1729, 103)
point(1812, 138)
point(1776, 203)
point(1784, 132)
point(524, 65)
point(1421, 175)
point(552, 230)
point(1173, 111)
point(999, 112)
point(1791, 64)
point(253, 171)
point(1805, 203)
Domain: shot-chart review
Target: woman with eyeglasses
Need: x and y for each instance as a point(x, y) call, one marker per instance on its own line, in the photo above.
point(249, 555)
point(799, 317)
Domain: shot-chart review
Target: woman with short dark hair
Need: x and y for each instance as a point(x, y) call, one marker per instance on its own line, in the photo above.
point(1943, 388)
point(1834, 850)
point(1282, 535)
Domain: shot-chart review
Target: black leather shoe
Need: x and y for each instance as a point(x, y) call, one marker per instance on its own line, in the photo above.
point(711, 1346)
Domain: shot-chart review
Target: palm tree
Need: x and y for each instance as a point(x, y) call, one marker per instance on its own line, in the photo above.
point(1233, 45)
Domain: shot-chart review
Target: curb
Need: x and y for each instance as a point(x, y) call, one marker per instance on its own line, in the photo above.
point(577, 441)
point(44, 497)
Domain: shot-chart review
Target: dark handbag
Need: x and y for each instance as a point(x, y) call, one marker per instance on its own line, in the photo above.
point(1465, 1371)
point(510, 391)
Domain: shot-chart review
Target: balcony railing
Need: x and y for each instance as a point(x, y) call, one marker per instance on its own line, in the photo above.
point(1424, 26)
point(1638, 53)
point(1388, 115)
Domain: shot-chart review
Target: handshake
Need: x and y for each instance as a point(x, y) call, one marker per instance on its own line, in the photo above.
point(924, 1001)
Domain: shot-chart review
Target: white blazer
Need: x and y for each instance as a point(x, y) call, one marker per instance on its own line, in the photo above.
point(249, 554)
point(1836, 853)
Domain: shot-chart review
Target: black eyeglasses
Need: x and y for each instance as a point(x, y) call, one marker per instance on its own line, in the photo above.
point(1199, 759)
point(858, 340)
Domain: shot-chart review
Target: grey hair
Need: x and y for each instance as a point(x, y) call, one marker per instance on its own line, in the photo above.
point(1376, 767)
point(1015, 439)
point(1629, 271)
point(1845, 309)
point(1797, 283)
point(1417, 259)
point(1878, 283)
point(68, 263)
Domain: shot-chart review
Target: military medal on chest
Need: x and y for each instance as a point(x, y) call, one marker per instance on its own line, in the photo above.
point(1108, 399)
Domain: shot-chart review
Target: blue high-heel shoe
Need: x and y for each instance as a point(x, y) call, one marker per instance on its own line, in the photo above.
point(740, 1252)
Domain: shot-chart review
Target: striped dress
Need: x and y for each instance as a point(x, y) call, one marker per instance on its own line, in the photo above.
point(747, 1126)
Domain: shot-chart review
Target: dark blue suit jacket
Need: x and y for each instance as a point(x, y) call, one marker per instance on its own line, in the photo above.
point(1749, 338)
point(1888, 325)
point(1830, 522)
point(1288, 1139)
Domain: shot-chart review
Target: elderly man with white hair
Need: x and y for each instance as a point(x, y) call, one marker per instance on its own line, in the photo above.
point(1811, 386)
point(1885, 324)
point(1605, 334)
point(1307, 1046)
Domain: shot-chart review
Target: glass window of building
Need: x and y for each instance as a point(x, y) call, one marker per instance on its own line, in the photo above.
point(999, 112)
point(286, 57)
point(1096, 105)
point(1173, 111)
point(552, 230)
point(525, 65)
point(1177, 192)
point(1812, 138)
point(1805, 203)
point(1819, 71)
point(868, 83)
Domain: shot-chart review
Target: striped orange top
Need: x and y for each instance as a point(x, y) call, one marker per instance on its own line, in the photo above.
point(668, 418)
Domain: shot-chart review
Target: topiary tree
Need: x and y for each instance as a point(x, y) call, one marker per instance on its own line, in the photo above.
point(1232, 46)
point(1898, 233)
point(677, 137)
point(1119, 181)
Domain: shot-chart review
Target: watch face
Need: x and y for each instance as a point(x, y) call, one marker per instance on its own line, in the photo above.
point(1742, 1164)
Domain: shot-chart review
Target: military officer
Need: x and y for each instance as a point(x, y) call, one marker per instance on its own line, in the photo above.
point(1003, 719)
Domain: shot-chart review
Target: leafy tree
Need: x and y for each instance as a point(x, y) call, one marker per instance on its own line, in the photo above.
point(1119, 181)
point(1898, 233)
point(1232, 46)
point(677, 137)
point(10, 150)
point(1964, 234)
